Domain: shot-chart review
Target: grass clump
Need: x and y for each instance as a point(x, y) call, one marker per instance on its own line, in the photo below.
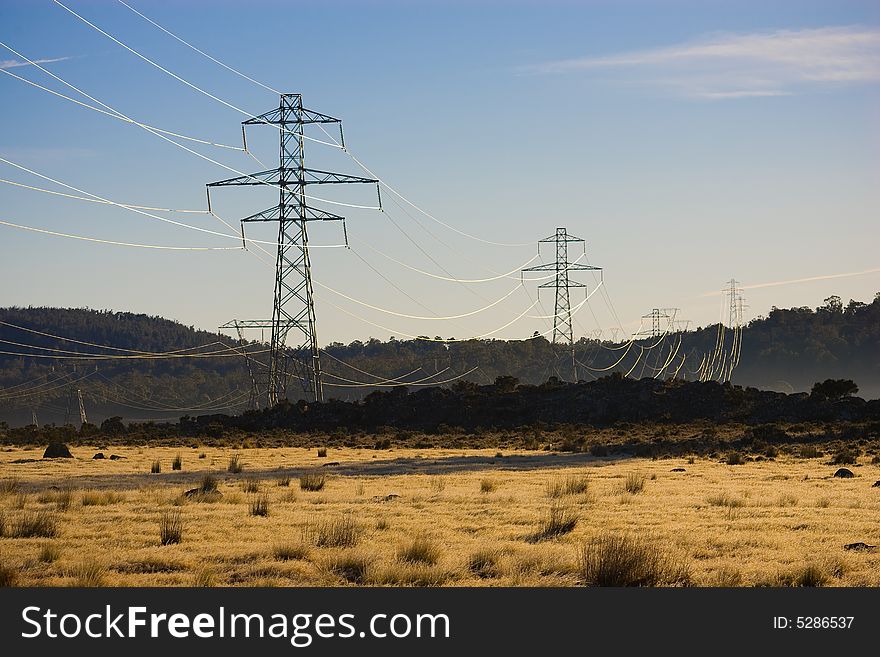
point(38, 524)
point(87, 574)
point(49, 553)
point(420, 550)
point(250, 486)
point(284, 481)
point(64, 498)
point(487, 486)
point(337, 532)
point(260, 506)
point(735, 458)
point(484, 563)
point(177, 463)
point(725, 499)
point(322, 452)
point(235, 465)
point(156, 467)
point(312, 481)
point(619, 560)
point(8, 486)
point(634, 483)
point(101, 498)
point(291, 552)
point(205, 579)
point(350, 566)
point(571, 485)
point(560, 520)
point(809, 576)
point(171, 528)
point(8, 575)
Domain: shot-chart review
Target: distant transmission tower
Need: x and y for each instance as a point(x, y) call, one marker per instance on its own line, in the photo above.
point(294, 306)
point(655, 316)
point(562, 329)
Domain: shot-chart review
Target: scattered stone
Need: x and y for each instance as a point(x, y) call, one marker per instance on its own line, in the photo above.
point(677, 470)
point(385, 498)
point(844, 473)
point(860, 547)
point(876, 484)
point(57, 451)
point(200, 494)
point(115, 457)
point(330, 463)
point(98, 456)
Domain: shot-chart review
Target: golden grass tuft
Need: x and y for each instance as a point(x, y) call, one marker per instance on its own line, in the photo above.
point(36, 524)
point(621, 560)
point(171, 528)
point(570, 485)
point(87, 574)
point(560, 520)
point(487, 486)
point(312, 481)
point(335, 532)
point(420, 550)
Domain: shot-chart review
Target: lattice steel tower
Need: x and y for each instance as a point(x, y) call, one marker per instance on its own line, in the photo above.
point(294, 306)
point(562, 330)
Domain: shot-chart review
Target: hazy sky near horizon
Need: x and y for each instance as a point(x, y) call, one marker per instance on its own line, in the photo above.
point(688, 142)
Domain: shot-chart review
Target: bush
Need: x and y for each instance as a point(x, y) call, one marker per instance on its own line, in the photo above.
point(260, 506)
point(421, 550)
point(810, 452)
point(834, 389)
point(235, 465)
point(156, 468)
point(616, 560)
point(340, 532)
point(483, 563)
point(487, 486)
point(322, 452)
point(177, 463)
point(171, 528)
point(312, 481)
point(735, 458)
point(39, 524)
point(560, 520)
point(635, 483)
point(845, 456)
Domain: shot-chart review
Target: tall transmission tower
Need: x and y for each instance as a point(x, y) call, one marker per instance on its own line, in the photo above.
point(562, 330)
point(82, 407)
point(293, 305)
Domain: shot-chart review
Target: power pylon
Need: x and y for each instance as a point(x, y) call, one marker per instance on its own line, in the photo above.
point(82, 407)
point(293, 305)
point(655, 316)
point(562, 328)
point(253, 398)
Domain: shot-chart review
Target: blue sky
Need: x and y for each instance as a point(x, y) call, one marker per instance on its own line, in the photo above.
point(687, 142)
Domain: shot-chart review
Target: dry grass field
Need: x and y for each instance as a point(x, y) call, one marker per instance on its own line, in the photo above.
point(431, 517)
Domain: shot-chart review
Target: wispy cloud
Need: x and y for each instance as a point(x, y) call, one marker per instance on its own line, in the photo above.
point(724, 66)
point(809, 279)
point(15, 63)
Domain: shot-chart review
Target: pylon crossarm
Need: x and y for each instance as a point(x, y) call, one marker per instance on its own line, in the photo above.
point(259, 178)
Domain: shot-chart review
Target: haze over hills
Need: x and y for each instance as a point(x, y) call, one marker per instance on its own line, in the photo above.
point(149, 368)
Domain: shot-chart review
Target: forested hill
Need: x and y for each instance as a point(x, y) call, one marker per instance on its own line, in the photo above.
point(160, 369)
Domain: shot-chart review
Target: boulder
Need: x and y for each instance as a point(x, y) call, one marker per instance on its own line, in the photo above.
point(844, 473)
point(115, 457)
point(98, 456)
point(876, 484)
point(57, 451)
point(860, 547)
point(677, 470)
